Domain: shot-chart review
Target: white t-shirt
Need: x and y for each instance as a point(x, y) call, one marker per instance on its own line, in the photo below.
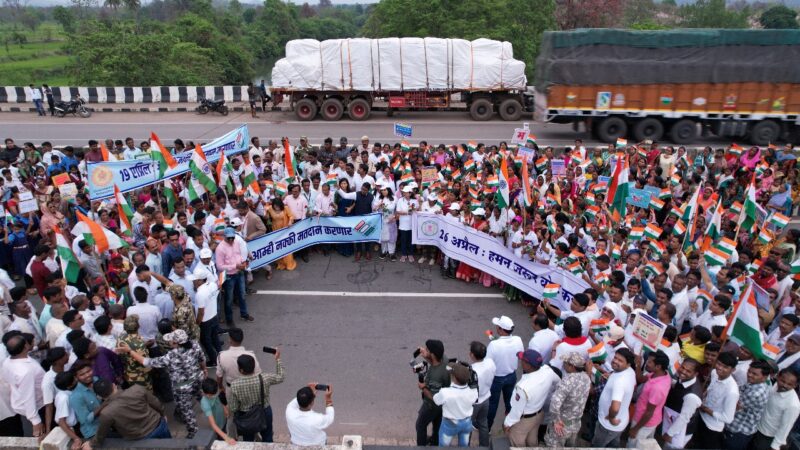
point(63, 409)
point(619, 387)
point(503, 351)
point(485, 371)
point(543, 341)
point(456, 401)
point(307, 427)
point(403, 205)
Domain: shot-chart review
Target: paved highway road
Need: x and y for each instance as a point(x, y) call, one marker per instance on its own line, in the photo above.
point(355, 325)
point(435, 127)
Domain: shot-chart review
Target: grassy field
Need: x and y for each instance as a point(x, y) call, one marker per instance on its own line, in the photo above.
point(40, 60)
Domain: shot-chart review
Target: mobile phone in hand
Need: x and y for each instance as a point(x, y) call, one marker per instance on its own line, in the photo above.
point(270, 350)
point(321, 387)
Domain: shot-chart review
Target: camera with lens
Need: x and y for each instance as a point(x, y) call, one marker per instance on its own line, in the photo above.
point(419, 367)
point(473, 376)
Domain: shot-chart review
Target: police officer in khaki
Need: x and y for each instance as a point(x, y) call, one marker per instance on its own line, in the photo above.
point(537, 382)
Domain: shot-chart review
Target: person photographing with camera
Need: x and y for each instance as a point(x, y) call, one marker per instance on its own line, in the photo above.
point(435, 377)
point(457, 402)
point(306, 426)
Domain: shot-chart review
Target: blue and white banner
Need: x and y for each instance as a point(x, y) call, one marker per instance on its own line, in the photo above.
point(485, 253)
point(313, 231)
point(136, 174)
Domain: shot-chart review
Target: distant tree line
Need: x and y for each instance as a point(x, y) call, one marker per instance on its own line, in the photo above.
point(174, 42)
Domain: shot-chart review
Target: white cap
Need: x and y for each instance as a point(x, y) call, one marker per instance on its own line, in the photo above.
point(206, 253)
point(413, 184)
point(479, 212)
point(432, 196)
point(365, 138)
point(454, 206)
point(503, 322)
point(201, 273)
point(408, 188)
point(235, 222)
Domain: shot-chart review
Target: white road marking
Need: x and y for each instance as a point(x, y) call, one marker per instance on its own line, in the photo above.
point(380, 294)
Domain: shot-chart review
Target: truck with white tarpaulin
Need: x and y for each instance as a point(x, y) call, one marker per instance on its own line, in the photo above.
point(348, 76)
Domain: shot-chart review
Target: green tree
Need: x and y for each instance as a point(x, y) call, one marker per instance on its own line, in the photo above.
point(712, 14)
point(66, 18)
point(520, 22)
point(275, 25)
point(779, 17)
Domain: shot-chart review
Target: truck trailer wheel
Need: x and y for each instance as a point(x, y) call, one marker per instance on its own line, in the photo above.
point(510, 110)
point(765, 132)
point(332, 109)
point(358, 109)
point(305, 109)
point(481, 109)
point(648, 128)
point(610, 129)
point(683, 131)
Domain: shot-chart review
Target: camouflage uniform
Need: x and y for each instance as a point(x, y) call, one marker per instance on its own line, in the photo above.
point(185, 372)
point(567, 404)
point(183, 317)
point(135, 373)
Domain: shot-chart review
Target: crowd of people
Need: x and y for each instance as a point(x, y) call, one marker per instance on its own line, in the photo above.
point(131, 326)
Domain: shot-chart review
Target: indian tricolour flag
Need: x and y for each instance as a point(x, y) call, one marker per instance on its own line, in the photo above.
point(503, 191)
point(161, 155)
point(599, 325)
point(748, 217)
point(527, 191)
point(779, 220)
point(598, 352)
point(288, 160)
point(679, 228)
point(796, 266)
point(551, 290)
point(621, 142)
point(652, 231)
point(96, 234)
point(69, 263)
point(636, 233)
point(201, 170)
point(726, 245)
point(743, 327)
point(714, 257)
point(124, 222)
point(618, 191)
point(224, 169)
point(124, 208)
point(250, 182)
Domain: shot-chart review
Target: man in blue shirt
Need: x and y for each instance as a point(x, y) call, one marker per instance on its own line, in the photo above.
point(171, 252)
point(83, 400)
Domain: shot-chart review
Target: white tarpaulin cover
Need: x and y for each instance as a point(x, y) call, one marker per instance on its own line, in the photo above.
point(395, 64)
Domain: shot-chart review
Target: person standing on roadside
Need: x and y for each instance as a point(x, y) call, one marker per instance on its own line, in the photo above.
point(36, 96)
point(306, 426)
point(568, 401)
point(252, 95)
point(503, 351)
point(51, 104)
point(265, 98)
point(245, 393)
point(484, 368)
point(435, 379)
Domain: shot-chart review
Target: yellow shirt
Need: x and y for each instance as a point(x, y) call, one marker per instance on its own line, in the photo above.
point(695, 352)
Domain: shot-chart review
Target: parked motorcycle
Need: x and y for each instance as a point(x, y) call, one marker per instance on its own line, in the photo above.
point(76, 105)
point(207, 105)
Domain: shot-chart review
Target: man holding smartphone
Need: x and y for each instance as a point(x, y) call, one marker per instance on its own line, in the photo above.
point(306, 426)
